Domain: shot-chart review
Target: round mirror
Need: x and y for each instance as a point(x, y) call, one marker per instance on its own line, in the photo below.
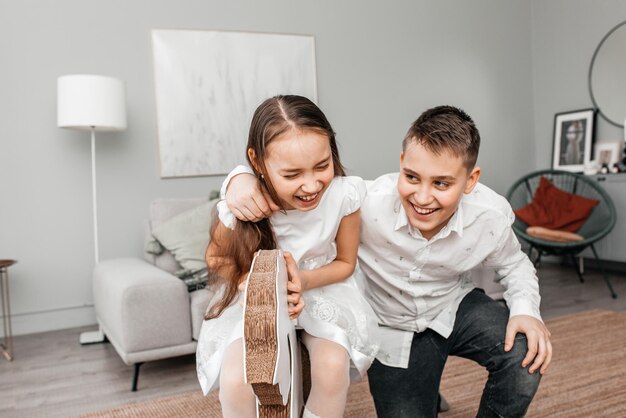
point(607, 76)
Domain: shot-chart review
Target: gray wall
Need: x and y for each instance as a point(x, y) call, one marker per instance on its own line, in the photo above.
point(565, 35)
point(379, 64)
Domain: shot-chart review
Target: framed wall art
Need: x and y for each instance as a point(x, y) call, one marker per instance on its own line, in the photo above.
point(573, 139)
point(208, 84)
point(608, 153)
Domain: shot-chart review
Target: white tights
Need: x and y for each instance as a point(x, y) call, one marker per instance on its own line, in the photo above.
point(330, 379)
point(236, 397)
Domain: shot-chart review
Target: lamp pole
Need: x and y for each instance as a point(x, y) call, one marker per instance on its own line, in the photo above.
point(93, 337)
point(93, 195)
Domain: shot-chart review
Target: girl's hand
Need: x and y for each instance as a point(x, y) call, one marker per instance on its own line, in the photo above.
point(294, 287)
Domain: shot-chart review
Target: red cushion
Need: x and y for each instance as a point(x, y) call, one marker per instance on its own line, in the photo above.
point(554, 208)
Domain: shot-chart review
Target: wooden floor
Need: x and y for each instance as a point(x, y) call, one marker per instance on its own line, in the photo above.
point(54, 376)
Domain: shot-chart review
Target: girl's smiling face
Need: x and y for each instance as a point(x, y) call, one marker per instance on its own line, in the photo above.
point(299, 165)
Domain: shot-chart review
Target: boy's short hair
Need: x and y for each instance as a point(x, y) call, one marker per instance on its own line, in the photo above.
point(446, 128)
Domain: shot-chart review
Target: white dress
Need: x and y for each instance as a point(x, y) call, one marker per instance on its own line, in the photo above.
point(337, 312)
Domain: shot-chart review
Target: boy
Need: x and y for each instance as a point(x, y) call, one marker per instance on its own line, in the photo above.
point(423, 230)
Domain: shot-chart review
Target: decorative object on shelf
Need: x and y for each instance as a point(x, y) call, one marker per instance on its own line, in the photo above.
point(608, 153)
point(208, 84)
point(91, 103)
point(615, 169)
point(607, 84)
point(604, 169)
point(573, 137)
point(591, 168)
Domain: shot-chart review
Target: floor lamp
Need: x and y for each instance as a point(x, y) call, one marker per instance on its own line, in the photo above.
point(91, 103)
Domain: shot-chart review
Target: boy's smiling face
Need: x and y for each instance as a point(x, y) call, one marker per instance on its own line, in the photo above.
point(431, 186)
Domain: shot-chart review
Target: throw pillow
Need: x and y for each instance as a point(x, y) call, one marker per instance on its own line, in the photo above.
point(552, 234)
point(554, 208)
point(186, 235)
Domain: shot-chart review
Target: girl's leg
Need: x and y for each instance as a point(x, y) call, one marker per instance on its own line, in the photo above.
point(236, 397)
point(330, 377)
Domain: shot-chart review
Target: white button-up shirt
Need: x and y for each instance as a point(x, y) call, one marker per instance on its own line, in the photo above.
point(414, 284)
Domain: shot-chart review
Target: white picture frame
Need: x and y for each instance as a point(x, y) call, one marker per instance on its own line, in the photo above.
point(608, 152)
point(208, 83)
point(573, 139)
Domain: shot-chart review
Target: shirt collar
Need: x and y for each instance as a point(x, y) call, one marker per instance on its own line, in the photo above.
point(401, 218)
point(455, 224)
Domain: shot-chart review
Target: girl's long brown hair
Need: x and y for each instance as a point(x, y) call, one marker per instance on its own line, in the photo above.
point(230, 253)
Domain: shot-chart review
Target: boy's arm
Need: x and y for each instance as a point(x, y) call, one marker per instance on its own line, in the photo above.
point(343, 265)
point(244, 196)
point(516, 272)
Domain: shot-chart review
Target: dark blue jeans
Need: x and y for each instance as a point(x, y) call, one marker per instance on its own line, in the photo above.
point(478, 335)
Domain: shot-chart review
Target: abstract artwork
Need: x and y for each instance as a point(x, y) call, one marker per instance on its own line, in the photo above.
point(208, 84)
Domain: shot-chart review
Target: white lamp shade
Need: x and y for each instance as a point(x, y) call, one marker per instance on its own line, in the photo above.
point(91, 102)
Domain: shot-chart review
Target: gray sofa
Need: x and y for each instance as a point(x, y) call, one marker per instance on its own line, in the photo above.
point(145, 311)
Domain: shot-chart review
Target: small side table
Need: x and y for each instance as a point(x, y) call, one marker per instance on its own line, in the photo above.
point(7, 345)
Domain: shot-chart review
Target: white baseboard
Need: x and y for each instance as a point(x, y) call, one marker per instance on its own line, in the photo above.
point(34, 322)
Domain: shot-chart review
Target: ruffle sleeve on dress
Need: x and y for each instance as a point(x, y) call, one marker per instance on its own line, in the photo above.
point(354, 190)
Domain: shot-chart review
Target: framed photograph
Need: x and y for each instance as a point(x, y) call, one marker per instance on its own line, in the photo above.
point(573, 139)
point(608, 152)
point(208, 84)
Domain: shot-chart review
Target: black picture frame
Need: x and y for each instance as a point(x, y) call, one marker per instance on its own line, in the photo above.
point(573, 139)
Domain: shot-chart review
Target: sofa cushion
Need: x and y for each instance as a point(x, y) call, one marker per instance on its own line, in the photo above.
point(186, 235)
point(161, 210)
point(141, 307)
point(553, 234)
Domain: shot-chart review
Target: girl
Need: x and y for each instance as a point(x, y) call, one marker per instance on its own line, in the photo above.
point(292, 151)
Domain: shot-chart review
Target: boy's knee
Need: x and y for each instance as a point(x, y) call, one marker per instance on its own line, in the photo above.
point(510, 365)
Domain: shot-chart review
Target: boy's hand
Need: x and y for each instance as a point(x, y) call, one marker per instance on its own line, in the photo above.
point(246, 199)
point(294, 287)
point(538, 337)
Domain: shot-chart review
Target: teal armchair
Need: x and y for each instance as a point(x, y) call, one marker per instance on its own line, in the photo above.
point(597, 226)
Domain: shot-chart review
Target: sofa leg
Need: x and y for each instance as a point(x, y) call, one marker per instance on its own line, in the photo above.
point(135, 377)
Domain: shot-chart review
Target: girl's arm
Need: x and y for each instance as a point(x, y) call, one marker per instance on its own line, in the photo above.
point(342, 266)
